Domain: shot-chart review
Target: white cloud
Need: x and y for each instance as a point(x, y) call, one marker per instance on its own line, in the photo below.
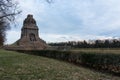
point(34, 7)
point(12, 36)
point(65, 38)
point(84, 19)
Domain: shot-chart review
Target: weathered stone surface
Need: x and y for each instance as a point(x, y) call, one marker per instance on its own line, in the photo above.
point(29, 36)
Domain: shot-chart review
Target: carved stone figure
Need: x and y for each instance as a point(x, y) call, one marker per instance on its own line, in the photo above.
point(29, 37)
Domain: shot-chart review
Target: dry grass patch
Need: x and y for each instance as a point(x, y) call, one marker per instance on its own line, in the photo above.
point(98, 50)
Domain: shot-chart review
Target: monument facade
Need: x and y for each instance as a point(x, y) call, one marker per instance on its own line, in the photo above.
point(29, 39)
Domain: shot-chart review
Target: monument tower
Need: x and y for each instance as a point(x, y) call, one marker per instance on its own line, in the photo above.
point(30, 36)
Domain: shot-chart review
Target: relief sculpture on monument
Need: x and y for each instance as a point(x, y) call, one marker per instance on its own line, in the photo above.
point(29, 39)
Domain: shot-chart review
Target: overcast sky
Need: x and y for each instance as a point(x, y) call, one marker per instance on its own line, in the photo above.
point(65, 20)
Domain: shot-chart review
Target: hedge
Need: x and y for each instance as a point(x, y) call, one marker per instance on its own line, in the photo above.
point(107, 62)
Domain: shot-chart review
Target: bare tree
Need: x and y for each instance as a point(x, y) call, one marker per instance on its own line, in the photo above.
point(49, 1)
point(8, 11)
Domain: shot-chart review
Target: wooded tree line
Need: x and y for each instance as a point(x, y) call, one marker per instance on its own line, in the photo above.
point(108, 43)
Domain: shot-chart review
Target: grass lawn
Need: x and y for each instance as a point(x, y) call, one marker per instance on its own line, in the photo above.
point(18, 66)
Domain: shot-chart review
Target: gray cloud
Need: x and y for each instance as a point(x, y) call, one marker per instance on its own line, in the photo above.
point(81, 17)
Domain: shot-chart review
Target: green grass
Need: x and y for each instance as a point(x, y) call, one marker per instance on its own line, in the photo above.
point(18, 66)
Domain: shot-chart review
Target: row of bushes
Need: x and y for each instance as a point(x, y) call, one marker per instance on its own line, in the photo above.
point(98, 61)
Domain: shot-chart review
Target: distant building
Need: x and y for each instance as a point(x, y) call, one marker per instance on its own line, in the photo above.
point(29, 37)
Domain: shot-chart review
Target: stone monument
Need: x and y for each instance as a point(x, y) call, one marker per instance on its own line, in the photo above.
point(29, 36)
